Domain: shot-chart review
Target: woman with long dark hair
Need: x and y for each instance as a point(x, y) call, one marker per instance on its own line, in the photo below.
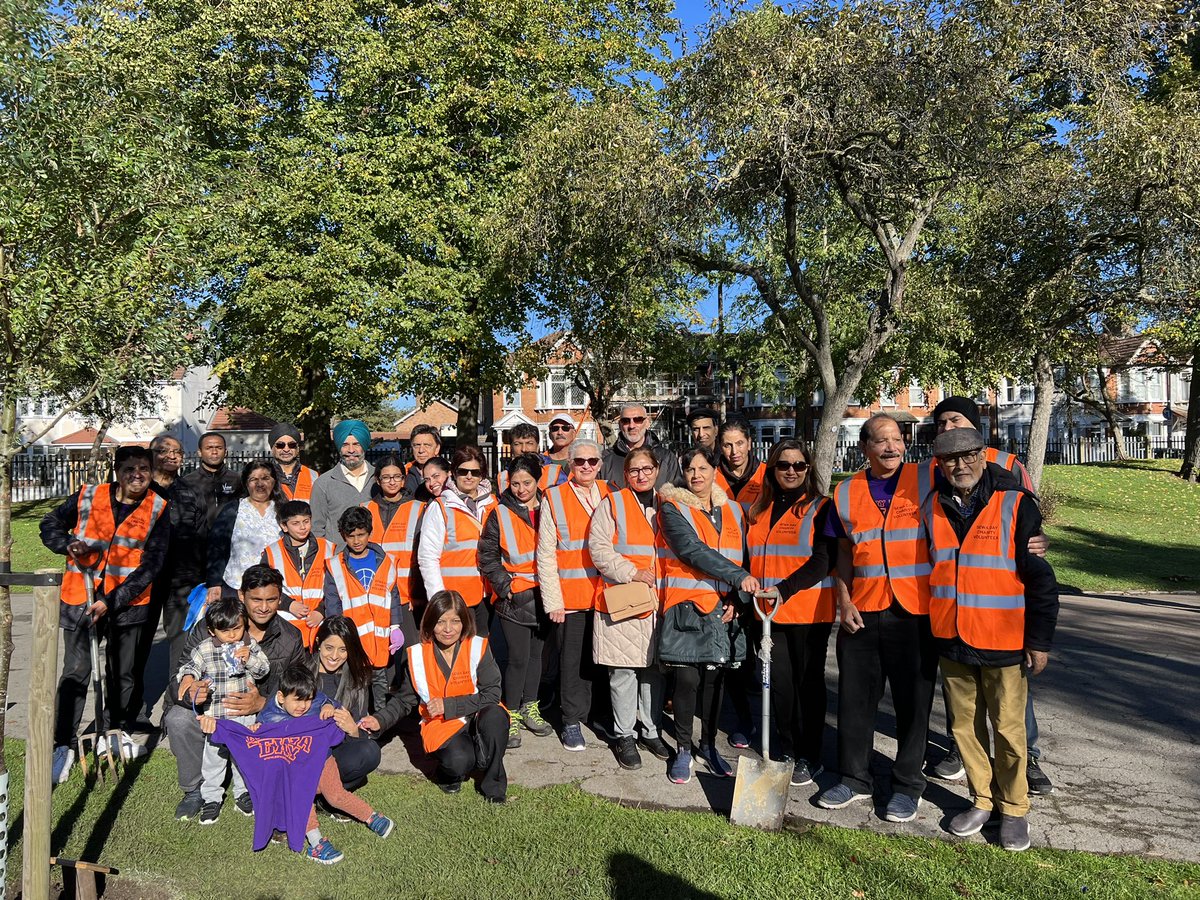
point(789, 553)
point(242, 530)
point(344, 674)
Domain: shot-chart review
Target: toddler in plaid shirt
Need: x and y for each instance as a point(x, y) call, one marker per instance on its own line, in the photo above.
point(228, 661)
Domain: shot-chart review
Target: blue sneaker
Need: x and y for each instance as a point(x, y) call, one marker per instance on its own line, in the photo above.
point(838, 796)
point(715, 761)
point(572, 737)
point(902, 808)
point(680, 771)
point(740, 737)
point(381, 825)
point(324, 853)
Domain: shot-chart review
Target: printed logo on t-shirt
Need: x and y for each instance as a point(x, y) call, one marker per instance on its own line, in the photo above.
point(287, 748)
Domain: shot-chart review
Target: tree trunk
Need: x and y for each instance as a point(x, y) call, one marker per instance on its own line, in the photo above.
point(468, 408)
point(8, 443)
point(1039, 428)
point(1112, 417)
point(825, 449)
point(598, 405)
point(1191, 439)
point(318, 439)
point(95, 471)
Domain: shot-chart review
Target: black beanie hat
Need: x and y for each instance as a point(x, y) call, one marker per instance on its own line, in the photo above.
point(963, 405)
point(283, 429)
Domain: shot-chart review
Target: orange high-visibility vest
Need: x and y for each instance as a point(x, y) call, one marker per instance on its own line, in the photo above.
point(976, 593)
point(428, 681)
point(776, 551)
point(750, 491)
point(398, 540)
point(309, 590)
point(460, 555)
point(891, 556)
point(992, 455)
point(580, 579)
point(677, 581)
point(304, 485)
point(370, 609)
point(518, 548)
point(548, 479)
point(118, 548)
point(633, 537)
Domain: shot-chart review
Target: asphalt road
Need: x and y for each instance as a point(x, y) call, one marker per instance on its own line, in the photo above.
point(1118, 707)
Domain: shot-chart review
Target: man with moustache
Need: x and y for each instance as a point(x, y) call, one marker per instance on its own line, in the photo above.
point(347, 484)
point(634, 423)
point(425, 442)
point(883, 603)
point(295, 479)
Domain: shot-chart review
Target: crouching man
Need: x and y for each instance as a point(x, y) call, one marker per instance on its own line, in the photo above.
point(993, 607)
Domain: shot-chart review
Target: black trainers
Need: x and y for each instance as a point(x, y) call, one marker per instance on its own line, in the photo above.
point(1039, 782)
point(627, 753)
point(450, 787)
point(950, 768)
point(210, 812)
point(189, 806)
point(244, 804)
point(656, 746)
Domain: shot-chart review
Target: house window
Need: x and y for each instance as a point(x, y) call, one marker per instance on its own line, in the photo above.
point(916, 393)
point(767, 434)
point(559, 391)
point(37, 409)
point(512, 399)
point(1016, 393)
point(887, 396)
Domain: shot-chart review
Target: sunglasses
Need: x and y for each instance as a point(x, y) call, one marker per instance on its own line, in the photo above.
point(632, 420)
point(591, 461)
point(286, 445)
point(561, 428)
point(797, 467)
point(464, 472)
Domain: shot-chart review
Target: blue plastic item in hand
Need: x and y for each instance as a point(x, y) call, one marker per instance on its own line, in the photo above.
point(196, 606)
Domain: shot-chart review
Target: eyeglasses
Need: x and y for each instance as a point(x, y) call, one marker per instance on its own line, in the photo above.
point(967, 459)
point(785, 466)
point(632, 420)
point(286, 445)
point(558, 426)
point(642, 471)
point(590, 461)
point(464, 472)
point(391, 477)
point(162, 451)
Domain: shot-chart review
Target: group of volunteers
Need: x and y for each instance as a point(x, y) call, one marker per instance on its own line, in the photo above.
point(336, 605)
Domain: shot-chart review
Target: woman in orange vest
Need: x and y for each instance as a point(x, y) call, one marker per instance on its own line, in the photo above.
point(788, 551)
point(455, 684)
point(507, 559)
point(396, 522)
point(448, 554)
point(701, 552)
point(570, 583)
point(621, 541)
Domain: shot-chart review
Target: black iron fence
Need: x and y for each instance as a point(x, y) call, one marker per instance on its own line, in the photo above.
point(45, 477)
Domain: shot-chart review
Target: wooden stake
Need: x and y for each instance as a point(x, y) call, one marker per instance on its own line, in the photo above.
point(39, 746)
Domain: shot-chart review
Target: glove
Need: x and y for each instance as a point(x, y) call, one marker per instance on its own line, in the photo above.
point(395, 640)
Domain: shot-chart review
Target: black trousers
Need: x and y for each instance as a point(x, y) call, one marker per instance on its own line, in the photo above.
point(576, 670)
point(174, 614)
point(897, 647)
point(741, 682)
point(696, 686)
point(480, 745)
point(523, 670)
point(798, 700)
point(483, 618)
point(118, 654)
point(357, 757)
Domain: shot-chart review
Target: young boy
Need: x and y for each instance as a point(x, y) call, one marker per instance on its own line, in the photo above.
point(361, 584)
point(228, 660)
point(296, 698)
point(301, 558)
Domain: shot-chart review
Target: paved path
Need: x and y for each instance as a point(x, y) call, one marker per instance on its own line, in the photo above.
point(1119, 709)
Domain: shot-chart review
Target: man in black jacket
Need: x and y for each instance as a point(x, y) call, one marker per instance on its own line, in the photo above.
point(634, 423)
point(993, 610)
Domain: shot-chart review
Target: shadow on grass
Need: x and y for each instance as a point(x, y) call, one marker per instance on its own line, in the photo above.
point(1158, 566)
point(633, 878)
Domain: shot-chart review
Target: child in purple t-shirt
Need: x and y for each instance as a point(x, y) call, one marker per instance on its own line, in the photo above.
point(297, 698)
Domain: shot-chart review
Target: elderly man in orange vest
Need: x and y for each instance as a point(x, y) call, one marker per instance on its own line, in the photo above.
point(883, 601)
point(116, 536)
point(993, 608)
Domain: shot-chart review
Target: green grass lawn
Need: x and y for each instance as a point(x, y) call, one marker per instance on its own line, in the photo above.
point(553, 842)
point(1124, 527)
point(28, 553)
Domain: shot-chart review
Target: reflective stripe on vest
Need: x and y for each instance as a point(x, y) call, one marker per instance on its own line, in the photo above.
point(119, 548)
point(398, 540)
point(370, 609)
point(309, 590)
point(429, 682)
point(977, 595)
point(460, 554)
point(633, 538)
point(304, 485)
point(579, 580)
point(678, 582)
point(776, 551)
point(891, 555)
point(518, 549)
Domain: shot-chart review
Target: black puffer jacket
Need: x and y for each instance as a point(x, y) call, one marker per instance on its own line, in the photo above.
point(525, 607)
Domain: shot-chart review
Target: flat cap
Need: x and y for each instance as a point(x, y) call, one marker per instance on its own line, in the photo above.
point(956, 441)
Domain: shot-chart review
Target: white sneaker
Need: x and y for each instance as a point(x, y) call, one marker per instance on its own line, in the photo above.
point(131, 749)
point(60, 768)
